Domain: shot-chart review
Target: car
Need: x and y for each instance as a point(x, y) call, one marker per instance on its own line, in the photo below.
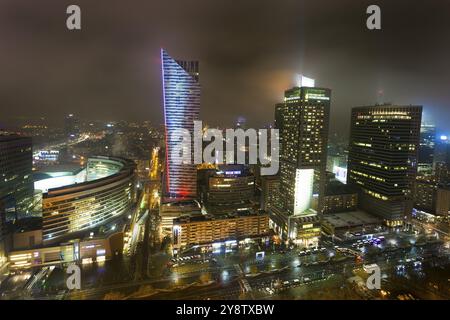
point(296, 280)
point(306, 279)
point(286, 283)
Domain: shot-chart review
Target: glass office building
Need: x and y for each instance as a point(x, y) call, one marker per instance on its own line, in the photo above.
point(383, 158)
point(426, 149)
point(16, 181)
point(303, 123)
point(181, 93)
point(106, 194)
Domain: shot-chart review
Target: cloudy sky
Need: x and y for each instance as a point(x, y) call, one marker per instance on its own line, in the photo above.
point(249, 53)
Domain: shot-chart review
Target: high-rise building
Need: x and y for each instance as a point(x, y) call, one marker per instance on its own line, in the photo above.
point(303, 123)
point(443, 201)
point(382, 163)
point(302, 120)
point(181, 93)
point(425, 193)
point(231, 188)
point(16, 181)
point(442, 151)
point(339, 198)
point(426, 149)
point(71, 127)
point(269, 186)
point(441, 172)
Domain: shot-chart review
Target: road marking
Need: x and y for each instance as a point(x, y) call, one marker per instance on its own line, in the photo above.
point(243, 281)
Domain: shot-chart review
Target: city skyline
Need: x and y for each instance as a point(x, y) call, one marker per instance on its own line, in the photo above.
point(119, 75)
point(131, 169)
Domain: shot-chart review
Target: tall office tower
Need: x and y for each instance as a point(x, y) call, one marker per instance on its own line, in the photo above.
point(426, 149)
point(71, 127)
point(441, 173)
point(303, 123)
point(16, 181)
point(302, 120)
point(382, 164)
point(269, 186)
point(442, 154)
point(181, 91)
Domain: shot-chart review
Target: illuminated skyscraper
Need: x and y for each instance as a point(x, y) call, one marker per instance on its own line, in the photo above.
point(16, 181)
point(382, 162)
point(71, 127)
point(303, 123)
point(181, 93)
point(442, 159)
point(426, 149)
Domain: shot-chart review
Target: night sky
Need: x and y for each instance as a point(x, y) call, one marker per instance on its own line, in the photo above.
point(249, 53)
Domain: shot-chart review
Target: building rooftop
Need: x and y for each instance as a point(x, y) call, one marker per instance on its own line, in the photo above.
point(11, 137)
point(336, 187)
point(350, 219)
point(211, 217)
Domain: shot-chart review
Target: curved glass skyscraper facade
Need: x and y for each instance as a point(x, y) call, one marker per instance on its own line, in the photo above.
point(181, 93)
